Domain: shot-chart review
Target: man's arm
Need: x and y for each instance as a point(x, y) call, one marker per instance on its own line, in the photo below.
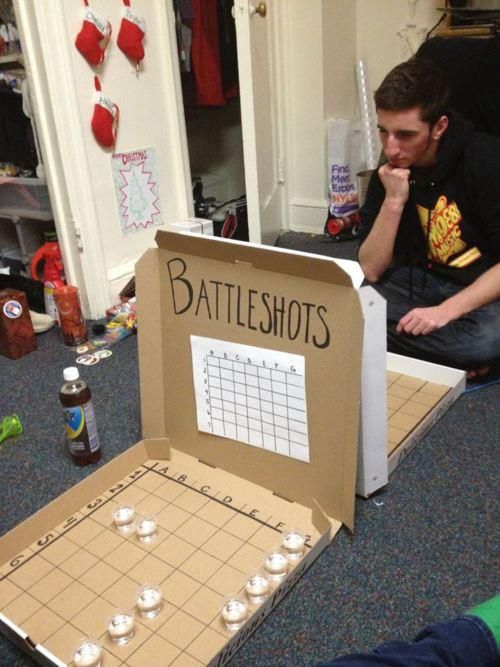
point(484, 290)
point(376, 252)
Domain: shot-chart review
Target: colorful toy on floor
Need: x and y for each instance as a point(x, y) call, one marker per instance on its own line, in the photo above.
point(10, 426)
point(121, 323)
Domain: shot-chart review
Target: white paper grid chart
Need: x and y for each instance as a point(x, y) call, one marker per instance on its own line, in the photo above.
point(251, 394)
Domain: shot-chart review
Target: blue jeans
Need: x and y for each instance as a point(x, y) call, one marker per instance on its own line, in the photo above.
point(469, 342)
point(463, 642)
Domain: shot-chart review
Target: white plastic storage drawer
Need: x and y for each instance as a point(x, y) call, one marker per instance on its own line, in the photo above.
point(24, 195)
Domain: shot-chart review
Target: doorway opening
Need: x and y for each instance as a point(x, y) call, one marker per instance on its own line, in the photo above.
point(26, 219)
point(207, 50)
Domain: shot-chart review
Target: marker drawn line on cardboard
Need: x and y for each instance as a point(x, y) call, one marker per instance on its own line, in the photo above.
point(409, 401)
point(220, 502)
point(203, 589)
point(73, 524)
point(132, 478)
point(250, 394)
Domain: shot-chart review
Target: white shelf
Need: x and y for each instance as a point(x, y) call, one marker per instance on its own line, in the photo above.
point(12, 59)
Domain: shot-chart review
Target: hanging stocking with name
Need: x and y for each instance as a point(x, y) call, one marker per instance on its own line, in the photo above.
point(131, 34)
point(105, 119)
point(93, 38)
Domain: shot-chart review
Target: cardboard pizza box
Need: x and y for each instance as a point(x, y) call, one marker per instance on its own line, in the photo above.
point(384, 443)
point(413, 394)
point(250, 365)
point(267, 299)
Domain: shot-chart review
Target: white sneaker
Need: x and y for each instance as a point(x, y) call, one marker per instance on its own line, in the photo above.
point(41, 322)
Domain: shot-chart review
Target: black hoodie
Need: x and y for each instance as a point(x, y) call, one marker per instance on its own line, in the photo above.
point(451, 222)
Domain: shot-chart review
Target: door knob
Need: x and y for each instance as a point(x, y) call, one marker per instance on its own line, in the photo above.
point(260, 9)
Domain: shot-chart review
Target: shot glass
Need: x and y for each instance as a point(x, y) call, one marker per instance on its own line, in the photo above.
point(234, 613)
point(147, 528)
point(88, 653)
point(124, 519)
point(121, 626)
point(257, 587)
point(149, 601)
point(276, 565)
point(293, 543)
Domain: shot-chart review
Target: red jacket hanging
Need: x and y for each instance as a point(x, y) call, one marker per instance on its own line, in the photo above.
point(205, 54)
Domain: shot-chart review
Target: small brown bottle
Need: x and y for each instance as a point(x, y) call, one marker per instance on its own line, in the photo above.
point(79, 418)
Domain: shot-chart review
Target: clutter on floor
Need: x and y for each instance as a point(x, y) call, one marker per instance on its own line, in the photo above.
point(41, 322)
point(10, 426)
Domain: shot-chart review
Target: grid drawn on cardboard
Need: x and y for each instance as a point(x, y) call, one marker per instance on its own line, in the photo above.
point(261, 406)
point(65, 585)
point(409, 401)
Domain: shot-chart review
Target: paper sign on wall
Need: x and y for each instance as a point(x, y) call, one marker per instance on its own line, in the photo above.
point(251, 394)
point(137, 190)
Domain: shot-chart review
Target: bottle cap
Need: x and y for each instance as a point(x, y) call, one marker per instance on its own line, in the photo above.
point(71, 373)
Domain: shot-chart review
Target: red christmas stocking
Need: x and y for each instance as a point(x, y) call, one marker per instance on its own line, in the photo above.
point(105, 119)
point(93, 38)
point(131, 34)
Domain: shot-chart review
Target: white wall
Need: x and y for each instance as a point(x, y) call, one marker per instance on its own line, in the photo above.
point(339, 35)
point(149, 116)
point(303, 102)
point(390, 31)
point(325, 39)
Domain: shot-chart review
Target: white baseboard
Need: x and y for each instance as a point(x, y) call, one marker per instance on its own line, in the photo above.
point(307, 215)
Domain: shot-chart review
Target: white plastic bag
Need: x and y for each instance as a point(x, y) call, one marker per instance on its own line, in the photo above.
point(345, 159)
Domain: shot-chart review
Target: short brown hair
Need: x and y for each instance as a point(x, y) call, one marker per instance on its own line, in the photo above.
point(418, 82)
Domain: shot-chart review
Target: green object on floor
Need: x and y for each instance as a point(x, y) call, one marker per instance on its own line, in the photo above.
point(489, 612)
point(9, 427)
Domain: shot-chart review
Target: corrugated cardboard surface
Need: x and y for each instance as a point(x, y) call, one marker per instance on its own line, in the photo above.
point(211, 288)
point(50, 640)
point(444, 376)
point(375, 463)
point(43, 521)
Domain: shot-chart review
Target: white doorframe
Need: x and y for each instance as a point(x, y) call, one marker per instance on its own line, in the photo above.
point(267, 158)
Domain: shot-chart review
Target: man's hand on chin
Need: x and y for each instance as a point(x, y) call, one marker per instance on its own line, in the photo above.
point(395, 181)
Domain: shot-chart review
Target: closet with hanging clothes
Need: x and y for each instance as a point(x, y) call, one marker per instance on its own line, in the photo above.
point(208, 62)
point(25, 210)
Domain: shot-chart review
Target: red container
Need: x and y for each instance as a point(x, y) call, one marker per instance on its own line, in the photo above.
point(48, 256)
point(73, 327)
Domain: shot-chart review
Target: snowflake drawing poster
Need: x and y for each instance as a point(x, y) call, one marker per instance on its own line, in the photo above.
point(137, 190)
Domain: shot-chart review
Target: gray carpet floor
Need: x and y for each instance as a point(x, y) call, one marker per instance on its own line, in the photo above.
point(424, 549)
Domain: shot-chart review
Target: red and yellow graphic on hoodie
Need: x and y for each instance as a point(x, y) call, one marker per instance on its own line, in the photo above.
point(441, 228)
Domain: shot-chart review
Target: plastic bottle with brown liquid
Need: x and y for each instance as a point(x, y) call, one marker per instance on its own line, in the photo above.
point(79, 418)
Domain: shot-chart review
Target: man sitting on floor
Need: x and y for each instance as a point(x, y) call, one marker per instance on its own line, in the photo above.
point(430, 224)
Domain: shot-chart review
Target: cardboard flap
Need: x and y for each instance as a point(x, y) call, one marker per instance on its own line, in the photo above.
point(254, 296)
point(279, 260)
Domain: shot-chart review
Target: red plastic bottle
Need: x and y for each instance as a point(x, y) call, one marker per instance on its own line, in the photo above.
point(53, 273)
